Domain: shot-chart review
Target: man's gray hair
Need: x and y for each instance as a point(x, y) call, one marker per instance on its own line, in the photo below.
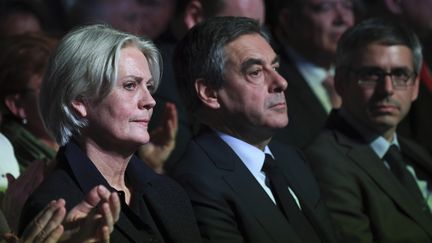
point(376, 30)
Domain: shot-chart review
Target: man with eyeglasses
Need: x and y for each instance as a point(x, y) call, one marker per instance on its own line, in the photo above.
point(376, 183)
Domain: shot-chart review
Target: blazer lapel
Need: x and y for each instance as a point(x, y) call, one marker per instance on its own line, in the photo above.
point(303, 184)
point(361, 154)
point(250, 192)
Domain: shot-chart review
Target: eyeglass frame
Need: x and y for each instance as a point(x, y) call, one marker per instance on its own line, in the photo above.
point(381, 74)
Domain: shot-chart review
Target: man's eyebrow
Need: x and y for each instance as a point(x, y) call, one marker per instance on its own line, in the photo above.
point(255, 61)
point(250, 62)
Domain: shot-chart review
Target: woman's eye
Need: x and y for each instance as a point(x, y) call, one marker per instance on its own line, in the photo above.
point(150, 87)
point(130, 85)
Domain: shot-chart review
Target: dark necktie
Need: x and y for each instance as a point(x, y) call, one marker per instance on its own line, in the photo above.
point(286, 202)
point(398, 167)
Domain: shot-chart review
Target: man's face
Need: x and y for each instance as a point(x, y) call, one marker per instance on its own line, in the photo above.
point(252, 97)
point(382, 106)
point(253, 9)
point(320, 23)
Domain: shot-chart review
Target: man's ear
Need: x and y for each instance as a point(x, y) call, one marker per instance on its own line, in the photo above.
point(79, 107)
point(14, 104)
point(193, 14)
point(394, 6)
point(207, 94)
point(415, 88)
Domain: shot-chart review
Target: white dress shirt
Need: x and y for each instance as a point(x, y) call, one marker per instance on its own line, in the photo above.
point(253, 158)
point(314, 76)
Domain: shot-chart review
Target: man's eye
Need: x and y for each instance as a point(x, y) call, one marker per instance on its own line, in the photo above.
point(370, 75)
point(255, 72)
point(399, 73)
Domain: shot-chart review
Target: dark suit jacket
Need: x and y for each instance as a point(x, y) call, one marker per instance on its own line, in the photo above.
point(417, 124)
point(231, 206)
point(363, 195)
point(168, 92)
point(305, 112)
point(168, 208)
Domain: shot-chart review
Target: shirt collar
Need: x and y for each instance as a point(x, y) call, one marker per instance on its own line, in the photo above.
point(250, 155)
point(378, 143)
point(312, 73)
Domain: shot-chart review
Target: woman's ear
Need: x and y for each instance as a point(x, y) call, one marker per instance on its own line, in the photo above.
point(15, 105)
point(207, 94)
point(80, 107)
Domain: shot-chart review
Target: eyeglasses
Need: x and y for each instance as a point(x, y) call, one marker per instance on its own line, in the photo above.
point(369, 77)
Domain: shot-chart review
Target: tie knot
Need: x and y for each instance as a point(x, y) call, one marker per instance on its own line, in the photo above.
point(269, 163)
point(393, 152)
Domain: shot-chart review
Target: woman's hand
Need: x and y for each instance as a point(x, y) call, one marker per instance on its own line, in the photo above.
point(162, 140)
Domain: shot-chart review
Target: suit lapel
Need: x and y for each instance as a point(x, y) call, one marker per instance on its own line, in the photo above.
point(361, 154)
point(245, 186)
point(302, 183)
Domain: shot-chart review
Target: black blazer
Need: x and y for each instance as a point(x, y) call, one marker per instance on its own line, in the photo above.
point(168, 206)
point(231, 206)
point(364, 197)
point(306, 114)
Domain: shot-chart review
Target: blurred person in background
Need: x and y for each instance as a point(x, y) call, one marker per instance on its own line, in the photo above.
point(18, 17)
point(306, 33)
point(23, 59)
point(149, 18)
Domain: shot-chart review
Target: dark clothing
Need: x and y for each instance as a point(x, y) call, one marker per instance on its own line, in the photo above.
point(168, 92)
point(305, 112)
point(26, 146)
point(159, 210)
point(363, 195)
point(417, 124)
point(231, 206)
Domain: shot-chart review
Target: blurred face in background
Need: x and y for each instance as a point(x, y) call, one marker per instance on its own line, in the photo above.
point(19, 23)
point(253, 9)
point(139, 17)
point(317, 25)
point(418, 13)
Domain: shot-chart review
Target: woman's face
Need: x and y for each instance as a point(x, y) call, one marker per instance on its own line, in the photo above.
point(121, 119)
